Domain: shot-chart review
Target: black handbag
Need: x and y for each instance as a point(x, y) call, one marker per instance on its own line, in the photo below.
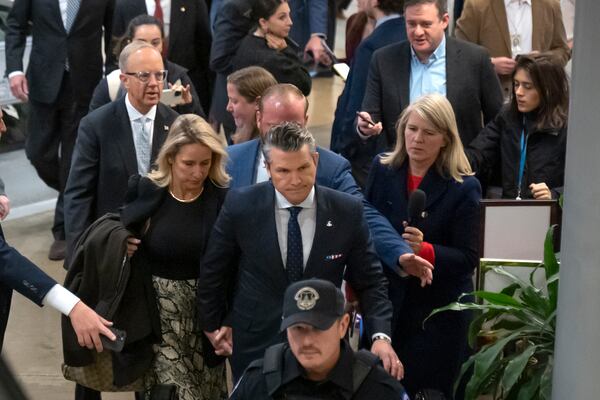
point(164, 392)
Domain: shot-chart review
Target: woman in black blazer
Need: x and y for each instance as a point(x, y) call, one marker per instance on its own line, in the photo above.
point(172, 212)
point(148, 29)
point(268, 46)
point(429, 156)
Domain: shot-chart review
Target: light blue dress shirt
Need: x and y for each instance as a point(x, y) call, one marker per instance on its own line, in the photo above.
point(429, 77)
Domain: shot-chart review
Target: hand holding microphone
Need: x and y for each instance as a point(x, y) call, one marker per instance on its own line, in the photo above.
point(414, 237)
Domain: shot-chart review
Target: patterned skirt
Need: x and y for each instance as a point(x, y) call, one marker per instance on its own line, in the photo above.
point(178, 358)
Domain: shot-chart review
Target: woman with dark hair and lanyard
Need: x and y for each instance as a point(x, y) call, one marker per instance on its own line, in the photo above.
point(528, 138)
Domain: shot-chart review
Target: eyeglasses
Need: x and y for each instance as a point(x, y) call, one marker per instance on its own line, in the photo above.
point(144, 76)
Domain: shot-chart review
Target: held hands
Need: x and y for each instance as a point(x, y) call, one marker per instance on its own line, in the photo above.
point(275, 42)
point(366, 126)
point(132, 245)
point(19, 87)
point(540, 191)
point(4, 206)
point(413, 237)
point(504, 65)
point(417, 267)
point(89, 326)
point(391, 363)
point(222, 341)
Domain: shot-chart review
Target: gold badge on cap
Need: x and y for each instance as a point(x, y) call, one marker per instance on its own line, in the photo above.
point(306, 298)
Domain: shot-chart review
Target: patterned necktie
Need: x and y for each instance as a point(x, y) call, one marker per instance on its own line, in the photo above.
point(142, 146)
point(295, 258)
point(72, 9)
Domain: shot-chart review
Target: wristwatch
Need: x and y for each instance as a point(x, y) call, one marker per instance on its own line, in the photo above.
point(380, 336)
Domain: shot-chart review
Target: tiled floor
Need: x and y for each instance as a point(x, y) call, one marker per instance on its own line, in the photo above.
point(32, 345)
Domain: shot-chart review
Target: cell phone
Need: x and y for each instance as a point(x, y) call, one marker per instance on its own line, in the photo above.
point(117, 344)
point(171, 97)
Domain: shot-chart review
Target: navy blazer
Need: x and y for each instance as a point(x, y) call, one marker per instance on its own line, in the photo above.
point(343, 132)
point(20, 274)
point(333, 172)
point(243, 251)
point(103, 160)
point(432, 353)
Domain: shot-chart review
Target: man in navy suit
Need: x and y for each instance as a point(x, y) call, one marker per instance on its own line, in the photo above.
point(285, 102)
point(389, 28)
point(259, 246)
point(20, 274)
point(64, 68)
point(111, 144)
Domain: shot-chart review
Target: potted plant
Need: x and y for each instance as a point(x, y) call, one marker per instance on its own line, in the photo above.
point(518, 325)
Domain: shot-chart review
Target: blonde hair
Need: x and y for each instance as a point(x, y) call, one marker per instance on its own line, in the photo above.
point(436, 109)
point(191, 129)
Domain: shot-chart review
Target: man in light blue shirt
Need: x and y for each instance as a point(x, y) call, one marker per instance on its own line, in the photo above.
point(428, 62)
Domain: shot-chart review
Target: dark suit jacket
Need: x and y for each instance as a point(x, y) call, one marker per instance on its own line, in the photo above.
point(472, 88)
point(333, 172)
point(103, 160)
point(52, 45)
point(189, 38)
point(343, 131)
point(243, 249)
point(434, 353)
point(20, 274)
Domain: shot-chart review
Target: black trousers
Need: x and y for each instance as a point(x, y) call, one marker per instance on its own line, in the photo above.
point(51, 137)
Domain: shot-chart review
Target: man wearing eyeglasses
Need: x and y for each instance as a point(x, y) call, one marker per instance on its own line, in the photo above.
point(117, 140)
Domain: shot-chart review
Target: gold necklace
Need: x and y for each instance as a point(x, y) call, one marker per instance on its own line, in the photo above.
point(188, 200)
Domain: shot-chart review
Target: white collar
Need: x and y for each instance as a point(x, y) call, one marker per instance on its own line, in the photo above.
point(135, 115)
point(519, 2)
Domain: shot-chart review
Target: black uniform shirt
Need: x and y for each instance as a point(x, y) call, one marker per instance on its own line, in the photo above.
point(377, 385)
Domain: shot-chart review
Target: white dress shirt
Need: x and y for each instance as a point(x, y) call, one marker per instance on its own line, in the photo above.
point(307, 219)
point(60, 299)
point(262, 175)
point(134, 116)
point(520, 25)
point(166, 8)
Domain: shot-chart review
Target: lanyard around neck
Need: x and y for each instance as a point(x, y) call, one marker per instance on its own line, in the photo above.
point(524, 139)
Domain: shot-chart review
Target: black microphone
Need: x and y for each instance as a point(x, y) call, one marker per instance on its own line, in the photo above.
point(416, 206)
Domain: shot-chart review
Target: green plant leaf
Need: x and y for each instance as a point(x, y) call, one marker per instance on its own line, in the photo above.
point(551, 266)
point(530, 386)
point(535, 301)
point(515, 367)
point(546, 380)
point(475, 328)
point(463, 369)
point(485, 382)
point(488, 354)
point(498, 299)
point(510, 289)
point(515, 279)
point(456, 306)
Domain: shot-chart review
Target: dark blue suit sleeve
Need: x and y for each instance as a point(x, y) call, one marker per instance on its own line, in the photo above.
point(232, 23)
point(80, 191)
point(217, 270)
point(317, 16)
point(20, 274)
point(388, 242)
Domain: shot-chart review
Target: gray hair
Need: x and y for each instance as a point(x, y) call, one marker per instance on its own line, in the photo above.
point(130, 49)
point(288, 137)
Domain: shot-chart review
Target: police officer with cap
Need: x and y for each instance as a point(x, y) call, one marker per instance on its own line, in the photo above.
point(316, 363)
